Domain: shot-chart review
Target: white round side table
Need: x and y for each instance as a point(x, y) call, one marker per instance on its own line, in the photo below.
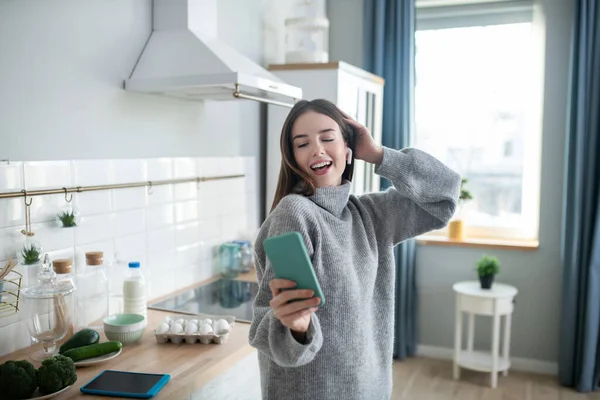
point(495, 302)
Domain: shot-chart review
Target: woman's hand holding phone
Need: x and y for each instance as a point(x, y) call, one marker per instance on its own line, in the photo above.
point(292, 314)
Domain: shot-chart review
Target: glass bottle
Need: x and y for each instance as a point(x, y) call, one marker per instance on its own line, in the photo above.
point(93, 294)
point(134, 290)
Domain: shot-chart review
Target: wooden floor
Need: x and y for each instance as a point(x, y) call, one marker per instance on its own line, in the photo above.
point(426, 379)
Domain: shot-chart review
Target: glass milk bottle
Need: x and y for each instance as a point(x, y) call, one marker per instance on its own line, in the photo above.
point(134, 291)
point(92, 299)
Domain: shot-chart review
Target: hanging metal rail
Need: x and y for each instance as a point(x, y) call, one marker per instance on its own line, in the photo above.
point(80, 189)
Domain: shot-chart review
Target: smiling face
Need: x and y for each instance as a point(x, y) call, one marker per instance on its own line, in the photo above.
point(319, 148)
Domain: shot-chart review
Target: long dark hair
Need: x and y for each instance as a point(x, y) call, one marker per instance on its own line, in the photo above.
point(291, 178)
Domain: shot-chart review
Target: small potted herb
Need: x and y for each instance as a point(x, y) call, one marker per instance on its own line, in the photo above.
point(487, 268)
point(456, 225)
point(31, 253)
point(67, 218)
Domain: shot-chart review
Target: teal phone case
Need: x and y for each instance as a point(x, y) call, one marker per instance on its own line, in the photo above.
point(289, 260)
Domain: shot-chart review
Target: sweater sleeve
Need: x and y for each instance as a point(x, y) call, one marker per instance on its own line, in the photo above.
point(267, 333)
point(424, 195)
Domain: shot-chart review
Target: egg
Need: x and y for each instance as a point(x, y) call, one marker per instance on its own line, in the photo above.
point(162, 328)
point(205, 329)
point(179, 321)
point(191, 328)
point(207, 321)
point(177, 328)
point(193, 321)
point(221, 326)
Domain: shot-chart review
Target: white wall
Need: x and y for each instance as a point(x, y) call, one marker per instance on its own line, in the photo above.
point(62, 66)
point(538, 274)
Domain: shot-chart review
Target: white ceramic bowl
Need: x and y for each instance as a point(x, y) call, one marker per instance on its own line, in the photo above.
point(125, 328)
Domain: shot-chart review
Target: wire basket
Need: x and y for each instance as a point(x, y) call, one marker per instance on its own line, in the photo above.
point(10, 289)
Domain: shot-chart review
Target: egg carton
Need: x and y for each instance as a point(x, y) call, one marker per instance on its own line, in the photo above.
point(219, 335)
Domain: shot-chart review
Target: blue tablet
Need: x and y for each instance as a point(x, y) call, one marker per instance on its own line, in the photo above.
point(126, 384)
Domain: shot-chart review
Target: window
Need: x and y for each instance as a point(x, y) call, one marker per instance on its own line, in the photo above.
point(477, 101)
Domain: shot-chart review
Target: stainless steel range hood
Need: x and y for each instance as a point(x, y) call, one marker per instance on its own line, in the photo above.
point(184, 58)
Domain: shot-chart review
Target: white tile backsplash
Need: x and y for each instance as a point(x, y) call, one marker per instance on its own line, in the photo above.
point(12, 212)
point(174, 231)
point(92, 172)
point(126, 199)
point(53, 238)
point(131, 248)
point(186, 211)
point(187, 234)
point(129, 222)
point(186, 191)
point(91, 203)
point(159, 169)
point(160, 194)
point(11, 241)
point(184, 168)
point(11, 176)
point(47, 174)
point(45, 208)
point(159, 240)
point(160, 216)
point(129, 171)
point(94, 228)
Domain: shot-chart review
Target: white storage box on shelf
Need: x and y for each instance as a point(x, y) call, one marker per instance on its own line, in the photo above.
point(307, 32)
point(203, 328)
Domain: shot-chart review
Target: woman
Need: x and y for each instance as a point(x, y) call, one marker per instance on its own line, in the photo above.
point(342, 350)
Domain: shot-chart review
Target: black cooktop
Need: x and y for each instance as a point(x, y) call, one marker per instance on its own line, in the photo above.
point(221, 297)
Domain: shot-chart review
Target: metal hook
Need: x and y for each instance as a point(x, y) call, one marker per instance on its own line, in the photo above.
point(27, 231)
point(67, 198)
point(150, 187)
point(25, 198)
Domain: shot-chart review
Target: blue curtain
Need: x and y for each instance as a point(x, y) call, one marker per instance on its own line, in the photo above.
point(389, 52)
point(579, 362)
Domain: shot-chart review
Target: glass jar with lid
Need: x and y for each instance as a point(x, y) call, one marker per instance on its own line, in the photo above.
point(92, 298)
point(64, 272)
point(246, 255)
point(48, 306)
point(230, 258)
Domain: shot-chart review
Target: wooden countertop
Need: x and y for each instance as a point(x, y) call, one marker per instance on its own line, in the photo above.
point(191, 365)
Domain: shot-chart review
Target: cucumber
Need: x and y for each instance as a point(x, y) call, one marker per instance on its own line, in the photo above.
point(81, 338)
point(93, 350)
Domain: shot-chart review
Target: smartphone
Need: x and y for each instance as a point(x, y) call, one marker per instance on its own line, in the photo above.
point(289, 260)
point(126, 384)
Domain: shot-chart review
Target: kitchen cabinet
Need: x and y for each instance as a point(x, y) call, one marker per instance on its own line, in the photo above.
point(356, 91)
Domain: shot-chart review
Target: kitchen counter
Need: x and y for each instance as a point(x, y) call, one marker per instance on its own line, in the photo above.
point(191, 366)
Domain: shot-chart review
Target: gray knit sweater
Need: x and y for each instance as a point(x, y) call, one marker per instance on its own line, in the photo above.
point(350, 239)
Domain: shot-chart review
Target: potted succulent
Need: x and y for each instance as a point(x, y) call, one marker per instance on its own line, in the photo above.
point(31, 253)
point(30, 256)
point(67, 218)
point(456, 226)
point(487, 268)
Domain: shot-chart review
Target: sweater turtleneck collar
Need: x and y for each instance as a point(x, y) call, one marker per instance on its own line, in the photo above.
point(332, 198)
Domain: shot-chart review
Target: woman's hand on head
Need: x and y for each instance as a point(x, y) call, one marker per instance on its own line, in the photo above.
point(295, 314)
point(365, 147)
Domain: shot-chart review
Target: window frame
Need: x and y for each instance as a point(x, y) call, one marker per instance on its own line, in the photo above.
point(446, 14)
